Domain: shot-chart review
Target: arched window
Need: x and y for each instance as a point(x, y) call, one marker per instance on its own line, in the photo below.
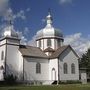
point(2, 55)
point(39, 43)
point(38, 68)
point(73, 68)
point(65, 68)
point(48, 42)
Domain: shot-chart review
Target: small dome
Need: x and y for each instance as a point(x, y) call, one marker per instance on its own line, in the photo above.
point(49, 30)
point(10, 32)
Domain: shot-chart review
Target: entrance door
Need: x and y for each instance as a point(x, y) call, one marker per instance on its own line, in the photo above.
point(53, 74)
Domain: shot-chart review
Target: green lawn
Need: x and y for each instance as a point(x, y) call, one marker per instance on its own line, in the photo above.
point(54, 87)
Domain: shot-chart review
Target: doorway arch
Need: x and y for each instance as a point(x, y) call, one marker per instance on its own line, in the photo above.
point(53, 74)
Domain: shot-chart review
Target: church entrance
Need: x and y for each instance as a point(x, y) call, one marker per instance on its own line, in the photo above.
point(53, 74)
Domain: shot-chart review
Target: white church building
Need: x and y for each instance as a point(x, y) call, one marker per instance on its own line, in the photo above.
point(49, 61)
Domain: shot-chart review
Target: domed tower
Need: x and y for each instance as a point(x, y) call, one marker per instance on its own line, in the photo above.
point(9, 48)
point(49, 38)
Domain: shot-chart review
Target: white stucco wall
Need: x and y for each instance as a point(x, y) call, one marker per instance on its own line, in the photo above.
point(2, 62)
point(30, 69)
point(53, 63)
point(68, 57)
point(14, 61)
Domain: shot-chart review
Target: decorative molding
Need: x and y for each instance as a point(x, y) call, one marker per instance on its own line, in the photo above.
point(50, 38)
point(9, 44)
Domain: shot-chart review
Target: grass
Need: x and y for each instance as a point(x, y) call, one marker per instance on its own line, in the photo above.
point(54, 87)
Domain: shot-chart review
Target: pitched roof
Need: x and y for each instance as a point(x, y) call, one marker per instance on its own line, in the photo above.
point(60, 50)
point(30, 51)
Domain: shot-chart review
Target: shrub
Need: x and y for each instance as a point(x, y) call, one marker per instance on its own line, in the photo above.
point(10, 79)
point(70, 82)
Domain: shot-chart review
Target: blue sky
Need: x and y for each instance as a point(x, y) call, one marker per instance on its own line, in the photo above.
point(72, 17)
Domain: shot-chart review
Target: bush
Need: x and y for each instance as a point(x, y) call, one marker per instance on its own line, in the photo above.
point(10, 79)
point(70, 82)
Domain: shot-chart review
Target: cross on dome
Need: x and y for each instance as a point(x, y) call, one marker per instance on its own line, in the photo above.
point(49, 19)
point(9, 29)
point(9, 17)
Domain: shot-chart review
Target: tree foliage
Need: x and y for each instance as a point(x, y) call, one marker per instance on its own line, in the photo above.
point(85, 60)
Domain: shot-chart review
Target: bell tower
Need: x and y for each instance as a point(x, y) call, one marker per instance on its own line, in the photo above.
point(9, 45)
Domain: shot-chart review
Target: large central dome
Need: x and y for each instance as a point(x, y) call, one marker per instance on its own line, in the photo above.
point(49, 30)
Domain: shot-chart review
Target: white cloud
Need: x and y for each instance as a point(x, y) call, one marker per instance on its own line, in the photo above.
point(65, 1)
point(8, 15)
point(28, 9)
point(78, 42)
point(32, 42)
point(69, 39)
point(1, 29)
point(3, 6)
point(26, 31)
point(22, 37)
point(20, 14)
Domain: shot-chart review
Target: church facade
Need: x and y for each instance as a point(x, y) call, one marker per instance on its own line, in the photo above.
point(48, 62)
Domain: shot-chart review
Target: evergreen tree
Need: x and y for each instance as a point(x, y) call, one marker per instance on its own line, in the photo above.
point(85, 60)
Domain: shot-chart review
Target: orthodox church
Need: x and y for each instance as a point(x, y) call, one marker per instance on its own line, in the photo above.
point(49, 61)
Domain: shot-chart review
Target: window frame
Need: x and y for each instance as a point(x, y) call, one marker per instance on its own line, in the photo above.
point(65, 68)
point(49, 42)
point(72, 68)
point(38, 68)
point(39, 43)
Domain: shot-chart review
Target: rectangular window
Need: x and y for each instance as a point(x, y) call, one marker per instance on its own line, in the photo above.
point(39, 43)
point(48, 42)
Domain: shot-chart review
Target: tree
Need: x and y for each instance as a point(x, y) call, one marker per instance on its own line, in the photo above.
point(85, 60)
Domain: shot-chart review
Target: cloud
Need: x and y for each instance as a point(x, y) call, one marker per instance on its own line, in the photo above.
point(69, 39)
point(20, 14)
point(2, 26)
point(26, 31)
point(22, 37)
point(78, 42)
point(3, 6)
point(28, 9)
point(65, 1)
point(32, 42)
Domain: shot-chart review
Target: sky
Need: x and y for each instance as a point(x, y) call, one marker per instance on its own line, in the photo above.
point(72, 17)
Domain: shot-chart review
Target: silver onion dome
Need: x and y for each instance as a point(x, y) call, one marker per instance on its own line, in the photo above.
point(49, 30)
point(10, 32)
